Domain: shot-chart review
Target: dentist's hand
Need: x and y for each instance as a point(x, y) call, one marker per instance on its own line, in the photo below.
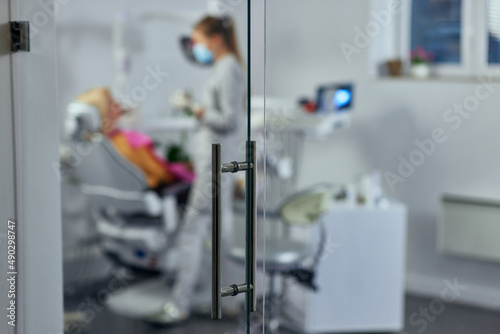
point(200, 113)
point(183, 100)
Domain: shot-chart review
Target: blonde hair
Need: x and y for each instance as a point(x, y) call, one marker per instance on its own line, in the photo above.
point(100, 98)
point(223, 26)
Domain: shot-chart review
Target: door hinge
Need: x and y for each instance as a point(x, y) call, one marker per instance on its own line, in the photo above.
point(19, 36)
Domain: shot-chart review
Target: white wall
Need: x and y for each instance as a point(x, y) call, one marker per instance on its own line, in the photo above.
point(389, 115)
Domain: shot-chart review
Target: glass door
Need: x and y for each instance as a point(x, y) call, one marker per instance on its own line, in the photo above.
point(326, 236)
point(160, 163)
point(296, 203)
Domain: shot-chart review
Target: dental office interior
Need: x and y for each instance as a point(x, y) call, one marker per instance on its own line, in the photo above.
point(359, 195)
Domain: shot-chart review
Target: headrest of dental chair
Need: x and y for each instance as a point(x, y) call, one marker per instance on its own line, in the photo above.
point(307, 207)
point(81, 117)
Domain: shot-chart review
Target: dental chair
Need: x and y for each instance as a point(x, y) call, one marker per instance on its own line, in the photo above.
point(135, 225)
point(288, 257)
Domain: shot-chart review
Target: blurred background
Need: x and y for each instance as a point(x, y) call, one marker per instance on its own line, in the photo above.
point(412, 155)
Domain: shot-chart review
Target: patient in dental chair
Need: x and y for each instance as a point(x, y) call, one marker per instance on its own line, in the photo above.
point(134, 146)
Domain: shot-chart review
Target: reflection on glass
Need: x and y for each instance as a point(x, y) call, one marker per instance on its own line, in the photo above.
point(436, 26)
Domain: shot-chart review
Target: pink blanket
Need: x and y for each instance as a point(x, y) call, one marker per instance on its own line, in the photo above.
point(179, 170)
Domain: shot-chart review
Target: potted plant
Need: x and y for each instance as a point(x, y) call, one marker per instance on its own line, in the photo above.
point(420, 60)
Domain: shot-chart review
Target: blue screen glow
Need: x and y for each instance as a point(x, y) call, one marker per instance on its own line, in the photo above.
point(342, 98)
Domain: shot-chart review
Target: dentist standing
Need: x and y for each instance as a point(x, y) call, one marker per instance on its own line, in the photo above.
point(221, 120)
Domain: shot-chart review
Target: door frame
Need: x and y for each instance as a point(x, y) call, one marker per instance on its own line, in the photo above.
point(28, 123)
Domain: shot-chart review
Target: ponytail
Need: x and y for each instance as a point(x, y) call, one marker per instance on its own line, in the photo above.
point(223, 26)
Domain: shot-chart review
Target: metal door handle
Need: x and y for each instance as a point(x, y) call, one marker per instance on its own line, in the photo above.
point(216, 231)
point(250, 254)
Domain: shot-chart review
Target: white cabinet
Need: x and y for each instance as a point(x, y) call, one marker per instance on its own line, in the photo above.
point(360, 276)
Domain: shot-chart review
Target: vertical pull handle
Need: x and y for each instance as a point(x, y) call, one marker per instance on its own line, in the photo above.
point(251, 227)
point(216, 231)
point(251, 252)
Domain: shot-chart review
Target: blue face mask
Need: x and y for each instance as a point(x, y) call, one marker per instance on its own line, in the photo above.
point(202, 54)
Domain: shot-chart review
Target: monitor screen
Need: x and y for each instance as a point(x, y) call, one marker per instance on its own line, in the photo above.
point(334, 97)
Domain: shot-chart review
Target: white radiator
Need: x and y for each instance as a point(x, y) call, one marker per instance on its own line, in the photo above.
point(469, 227)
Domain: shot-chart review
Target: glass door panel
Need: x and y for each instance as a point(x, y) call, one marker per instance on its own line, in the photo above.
point(295, 237)
point(145, 90)
point(324, 243)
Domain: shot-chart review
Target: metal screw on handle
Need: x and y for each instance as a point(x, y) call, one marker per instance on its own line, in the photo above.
point(250, 258)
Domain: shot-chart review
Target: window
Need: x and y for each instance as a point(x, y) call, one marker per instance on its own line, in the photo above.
point(493, 30)
point(436, 26)
point(462, 35)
